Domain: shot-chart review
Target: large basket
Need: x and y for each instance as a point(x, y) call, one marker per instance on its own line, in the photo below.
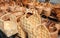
point(9, 27)
point(33, 26)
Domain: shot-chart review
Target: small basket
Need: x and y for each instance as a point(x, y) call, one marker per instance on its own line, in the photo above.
point(54, 34)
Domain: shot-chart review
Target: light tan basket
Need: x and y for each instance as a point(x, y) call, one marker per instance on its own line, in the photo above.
point(13, 26)
point(21, 32)
point(32, 25)
point(9, 27)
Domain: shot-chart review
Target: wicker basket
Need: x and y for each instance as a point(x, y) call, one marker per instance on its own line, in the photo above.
point(54, 34)
point(32, 25)
point(9, 27)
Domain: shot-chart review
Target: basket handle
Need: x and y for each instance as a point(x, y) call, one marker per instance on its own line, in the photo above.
point(11, 16)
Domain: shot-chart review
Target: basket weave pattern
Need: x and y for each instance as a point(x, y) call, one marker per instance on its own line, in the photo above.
point(33, 27)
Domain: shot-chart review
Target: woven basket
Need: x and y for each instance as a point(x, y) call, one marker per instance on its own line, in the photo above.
point(32, 25)
point(9, 27)
point(21, 32)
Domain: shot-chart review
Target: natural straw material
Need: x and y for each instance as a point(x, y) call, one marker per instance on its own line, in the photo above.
point(32, 25)
point(9, 26)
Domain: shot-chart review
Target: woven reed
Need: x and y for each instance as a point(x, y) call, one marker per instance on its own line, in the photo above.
point(32, 25)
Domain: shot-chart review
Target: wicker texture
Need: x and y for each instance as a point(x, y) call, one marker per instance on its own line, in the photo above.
point(9, 27)
point(32, 25)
